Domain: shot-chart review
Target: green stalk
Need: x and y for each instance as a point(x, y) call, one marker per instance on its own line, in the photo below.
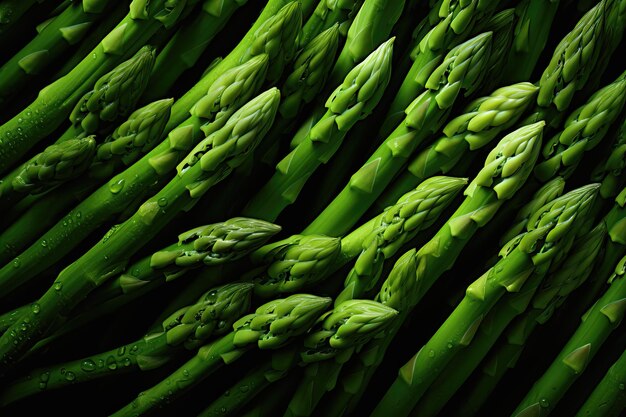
point(583, 131)
point(609, 172)
point(65, 30)
point(353, 100)
point(127, 189)
point(608, 399)
point(273, 34)
point(333, 338)
point(372, 26)
point(55, 101)
point(597, 325)
point(327, 13)
point(449, 24)
point(461, 70)
point(188, 44)
point(481, 122)
point(502, 25)
point(213, 314)
point(548, 236)
point(534, 22)
point(272, 326)
point(506, 170)
point(543, 300)
point(505, 355)
point(211, 161)
point(302, 261)
point(92, 38)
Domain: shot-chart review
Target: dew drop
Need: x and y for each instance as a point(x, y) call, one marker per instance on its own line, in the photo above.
point(44, 243)
point(58, 286)
point(116, 186)
point(431, 353)
point(544, 403)
point(35, 308)
point(70, 376)
point(88, 365)
point(162, 202)
point(244, 388)
point(16, 263)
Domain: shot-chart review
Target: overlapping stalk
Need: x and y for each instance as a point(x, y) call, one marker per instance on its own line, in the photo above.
point(54, 102)
point(208, 163)
point(461, 70)
point(506, 170)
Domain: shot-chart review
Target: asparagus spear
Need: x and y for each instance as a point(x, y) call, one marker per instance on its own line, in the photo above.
point(352, 101)
point(335, 335)
point(55, 101)
point(460, 70)
point(327, 13)
point(213, 314)
point(65, 30)
point(271, 326)
point(505, 356)
point(548, 235)
point(208, 163)
point(583, 130)
point(448, 24)
point(579, 351)
point(11, 11)
point(204, 246)
point(609, 171)
point(548, 192)
point(273, 34)
point(506, 169)
point(481, 122)
point(55, 165)
point(502, 25)
point(298, 261)
point(185, 48)
point(608, 398)
point(228, 94)
point(114, 95)
point(543, 299)
point(535, 18)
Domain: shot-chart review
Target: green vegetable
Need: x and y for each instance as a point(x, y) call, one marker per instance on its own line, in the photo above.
point(461, 70)
point(569, 365)
point(64, 31)
point(185, 48)
point(506, 169)
point(609, 171)
point(327, 13)
point(208, 163)
point(543, 300)
point(54, 102)
point(352, 101)
point(213, 314)
point(271, 326)
point(608, 398)
point(127, 189)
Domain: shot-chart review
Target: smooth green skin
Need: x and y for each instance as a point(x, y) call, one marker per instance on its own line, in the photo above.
point(65, 30)
point(608, 399)
point(229, 348)
point(431, 261)
point(353, 100)
point(423, 117)
point(543, 298)
point(110, 256)
point(188, 44)
point(437, 38)
point(11, 11)
point(596, 327)
point(455, 334)
point(532, 30)
point(326, 14)
point(458, 139)
point(57, 100)
point(150, 352)
point(181, 108)
point(91, 39)
point(122, 193)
